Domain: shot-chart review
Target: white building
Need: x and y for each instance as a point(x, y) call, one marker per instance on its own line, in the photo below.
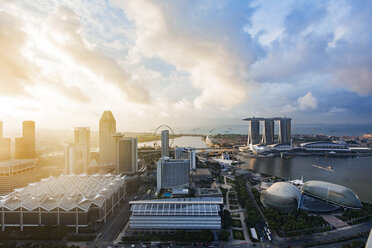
point(78, 201)
point(172, 173)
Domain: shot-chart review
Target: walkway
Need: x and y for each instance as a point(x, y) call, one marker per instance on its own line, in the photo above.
point(334, 221)
point(241, 218)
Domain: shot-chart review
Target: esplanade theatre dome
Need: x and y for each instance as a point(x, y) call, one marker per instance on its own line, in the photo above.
point(282, 196)
point(333, 193)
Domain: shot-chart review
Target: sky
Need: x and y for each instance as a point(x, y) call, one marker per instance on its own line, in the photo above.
point(184, 63)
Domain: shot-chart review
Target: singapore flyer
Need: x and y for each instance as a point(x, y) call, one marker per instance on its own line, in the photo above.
point(158, 130)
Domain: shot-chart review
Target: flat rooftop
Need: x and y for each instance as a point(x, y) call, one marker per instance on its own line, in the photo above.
point(191, 200)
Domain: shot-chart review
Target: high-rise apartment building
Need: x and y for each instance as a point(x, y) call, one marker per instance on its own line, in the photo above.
point(25, 146)
point(126, 155)
point(4, 145)
point(165, 143)
point(107, 128)
point(172, 173)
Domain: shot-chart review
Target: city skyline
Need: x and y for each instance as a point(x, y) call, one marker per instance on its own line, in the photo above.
point(70, 62)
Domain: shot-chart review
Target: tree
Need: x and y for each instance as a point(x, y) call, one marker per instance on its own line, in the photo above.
point(223, 235)
point(226, 219)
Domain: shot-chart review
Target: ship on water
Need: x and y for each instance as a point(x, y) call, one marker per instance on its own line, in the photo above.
point(328, 168)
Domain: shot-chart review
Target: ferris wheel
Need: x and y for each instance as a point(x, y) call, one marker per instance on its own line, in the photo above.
point(161, 128)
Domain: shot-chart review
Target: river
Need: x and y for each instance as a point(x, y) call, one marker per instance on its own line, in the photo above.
point(183, 141)
point(354, 173)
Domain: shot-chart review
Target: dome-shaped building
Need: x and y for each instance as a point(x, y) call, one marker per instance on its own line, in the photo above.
point(333, 193)
point(282, 196)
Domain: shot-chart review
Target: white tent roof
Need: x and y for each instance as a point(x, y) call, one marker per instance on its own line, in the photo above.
point(65, 192)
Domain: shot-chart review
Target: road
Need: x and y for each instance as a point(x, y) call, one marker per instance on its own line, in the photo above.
point(113, 226)
point(335, 234)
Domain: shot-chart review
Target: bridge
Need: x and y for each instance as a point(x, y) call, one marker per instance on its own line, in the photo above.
point(197, 148)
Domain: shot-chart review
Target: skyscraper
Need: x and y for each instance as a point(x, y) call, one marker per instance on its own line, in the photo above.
point(253, 131)
point(4, 145)
point(181, 153)
point(75, 159)
point(107, 128)
point(82, 137)
point(268, 131)
point(165, 143)
point(25, 146)
point(172, 173)
point(126, 155)
point(285, 130)
point(77, 155)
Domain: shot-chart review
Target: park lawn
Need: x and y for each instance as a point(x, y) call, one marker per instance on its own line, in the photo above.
point(236, 223)
point(233, 207)
point(238, 234)
point(233, 202)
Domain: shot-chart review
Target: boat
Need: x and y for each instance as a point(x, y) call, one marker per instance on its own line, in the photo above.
point(328, 168)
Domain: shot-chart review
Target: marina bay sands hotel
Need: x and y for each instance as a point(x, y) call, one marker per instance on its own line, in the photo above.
point(268, 130)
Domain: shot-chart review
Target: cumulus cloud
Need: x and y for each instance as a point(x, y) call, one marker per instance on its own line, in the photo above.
point(330, 39)
point(213, 70)
point(306, 102)
point(66, 31)
point(15, 70)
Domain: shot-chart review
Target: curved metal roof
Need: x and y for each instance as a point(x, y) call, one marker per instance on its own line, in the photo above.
point(282, 196)
point(334, 193)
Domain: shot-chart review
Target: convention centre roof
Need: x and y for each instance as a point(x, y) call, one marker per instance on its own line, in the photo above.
point(65, 192)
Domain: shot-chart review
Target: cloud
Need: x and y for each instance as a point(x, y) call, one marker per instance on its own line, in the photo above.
point(66, 29)
point(73, 92)
point(306, 102)
point(15, 70)
point(335, 110)
point(323, 39)
point(216, 72)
